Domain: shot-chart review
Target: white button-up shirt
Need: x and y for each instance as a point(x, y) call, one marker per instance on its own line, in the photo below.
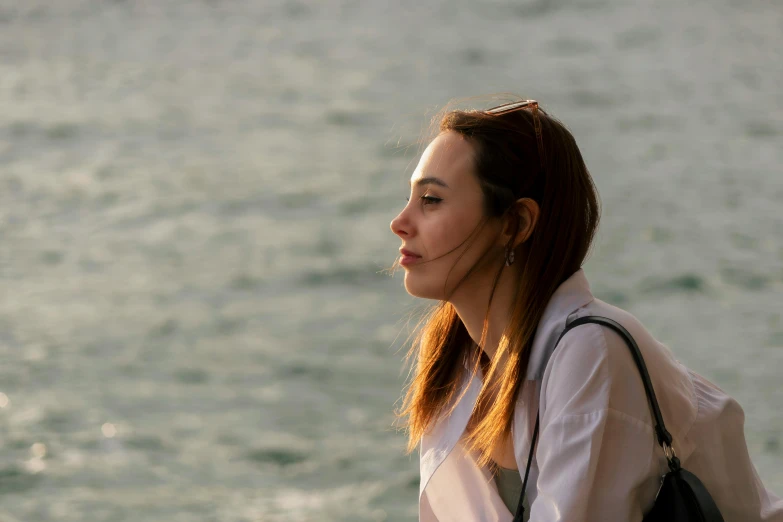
point(597, 458)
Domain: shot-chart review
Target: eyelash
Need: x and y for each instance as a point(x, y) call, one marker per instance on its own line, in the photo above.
point(427, 200)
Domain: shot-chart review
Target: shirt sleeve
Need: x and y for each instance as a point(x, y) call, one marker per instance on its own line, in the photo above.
point(596, 441)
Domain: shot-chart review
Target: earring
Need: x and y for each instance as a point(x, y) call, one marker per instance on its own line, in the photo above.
point(509, 256)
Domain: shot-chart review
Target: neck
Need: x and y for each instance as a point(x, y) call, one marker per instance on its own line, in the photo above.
point(472, 300)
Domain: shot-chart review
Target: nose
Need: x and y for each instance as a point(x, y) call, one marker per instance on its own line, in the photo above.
point(399, 225)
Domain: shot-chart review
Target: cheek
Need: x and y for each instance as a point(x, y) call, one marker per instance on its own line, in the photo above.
point(452, 252)
point(449, 233)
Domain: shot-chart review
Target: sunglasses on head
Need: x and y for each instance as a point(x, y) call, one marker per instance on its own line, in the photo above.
point(521, 105)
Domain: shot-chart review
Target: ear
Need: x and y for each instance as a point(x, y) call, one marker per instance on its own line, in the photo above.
point(520, 222)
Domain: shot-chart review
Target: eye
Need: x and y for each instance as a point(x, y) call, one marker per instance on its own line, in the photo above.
point(427, 200)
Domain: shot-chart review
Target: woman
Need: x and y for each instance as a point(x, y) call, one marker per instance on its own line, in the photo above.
point(500, 219)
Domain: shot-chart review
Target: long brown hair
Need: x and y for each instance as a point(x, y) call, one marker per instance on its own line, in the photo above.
point(508, 168)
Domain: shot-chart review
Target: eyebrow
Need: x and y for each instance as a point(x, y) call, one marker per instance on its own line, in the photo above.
point(430, 181)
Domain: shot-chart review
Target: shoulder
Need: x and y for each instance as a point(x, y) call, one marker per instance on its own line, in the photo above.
point(592, 368)
point(582, 351)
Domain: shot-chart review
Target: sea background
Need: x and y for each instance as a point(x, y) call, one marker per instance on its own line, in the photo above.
point(195, 318)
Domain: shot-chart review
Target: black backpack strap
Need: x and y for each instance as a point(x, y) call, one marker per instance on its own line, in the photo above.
point(664, 437)
point(521, 508)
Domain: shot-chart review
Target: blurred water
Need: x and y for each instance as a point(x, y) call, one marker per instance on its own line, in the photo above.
point(194, 322)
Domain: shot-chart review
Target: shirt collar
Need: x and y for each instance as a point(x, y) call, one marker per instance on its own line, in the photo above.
point(573, 293)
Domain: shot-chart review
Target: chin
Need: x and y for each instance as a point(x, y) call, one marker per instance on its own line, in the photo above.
point(424, 289)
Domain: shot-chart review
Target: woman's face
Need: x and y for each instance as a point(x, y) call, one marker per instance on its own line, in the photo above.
point(445, 207)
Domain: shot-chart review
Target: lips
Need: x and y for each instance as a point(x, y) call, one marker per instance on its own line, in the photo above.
point(408, 257)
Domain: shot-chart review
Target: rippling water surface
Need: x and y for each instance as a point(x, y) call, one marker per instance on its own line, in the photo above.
point(194, 208)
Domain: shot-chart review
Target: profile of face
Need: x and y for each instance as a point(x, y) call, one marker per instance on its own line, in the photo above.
point(441, 225)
